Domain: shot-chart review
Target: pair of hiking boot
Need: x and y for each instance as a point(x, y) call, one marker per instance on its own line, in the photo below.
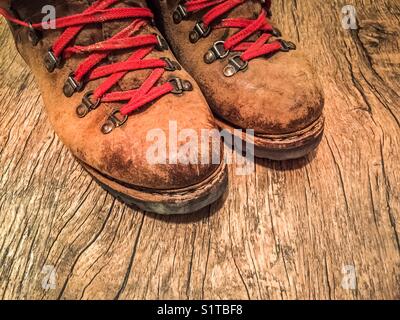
point(112, 88)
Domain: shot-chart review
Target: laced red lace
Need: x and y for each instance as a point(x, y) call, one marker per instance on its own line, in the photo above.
point(100, 12)
point(247, 27)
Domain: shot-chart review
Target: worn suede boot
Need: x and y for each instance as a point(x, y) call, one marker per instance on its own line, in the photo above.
point(251, 77)
point(108, 80)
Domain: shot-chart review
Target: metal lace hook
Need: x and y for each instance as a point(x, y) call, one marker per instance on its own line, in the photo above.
point(115, 120)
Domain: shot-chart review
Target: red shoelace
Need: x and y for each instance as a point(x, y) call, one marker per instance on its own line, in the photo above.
point(247, 28)
point(88, 70)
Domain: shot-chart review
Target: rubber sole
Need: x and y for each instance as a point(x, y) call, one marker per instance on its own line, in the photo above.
point(280, 147)
point(167, 202)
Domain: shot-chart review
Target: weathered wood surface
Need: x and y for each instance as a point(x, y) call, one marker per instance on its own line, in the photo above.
point(286, 231)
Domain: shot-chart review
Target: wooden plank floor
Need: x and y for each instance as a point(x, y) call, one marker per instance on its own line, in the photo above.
point(290, 230)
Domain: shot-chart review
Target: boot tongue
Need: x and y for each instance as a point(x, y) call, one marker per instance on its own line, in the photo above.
point(131, 80)
point(247, 10)
point(110, 28)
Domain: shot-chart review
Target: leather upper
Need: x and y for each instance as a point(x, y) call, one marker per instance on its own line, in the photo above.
point(275, 95)
point(120, 155)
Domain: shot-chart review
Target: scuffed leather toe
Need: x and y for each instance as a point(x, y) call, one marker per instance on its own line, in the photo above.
point(126, 154)
point(278, 94)
point(269, 97)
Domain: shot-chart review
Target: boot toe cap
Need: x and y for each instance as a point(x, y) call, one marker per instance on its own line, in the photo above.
point(149, 150)
point(274, 96)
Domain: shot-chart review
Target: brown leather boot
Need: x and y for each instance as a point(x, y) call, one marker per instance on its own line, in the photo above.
point(250, 77)
point(108, 79)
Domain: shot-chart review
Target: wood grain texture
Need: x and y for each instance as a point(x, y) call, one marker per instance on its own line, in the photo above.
point(284, 232)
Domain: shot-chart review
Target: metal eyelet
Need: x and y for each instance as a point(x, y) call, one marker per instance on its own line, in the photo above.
point(180, 14)
point(115, 120)
point(34, 35)
point(162, 44)
point(87, 105)
point(51, 62)
point(199, 31)
point(217, 51)
point(71, 86)
point(235, 65)
point(171, 65)
point(180, 85)
point(276, 32)
point(287, 45)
